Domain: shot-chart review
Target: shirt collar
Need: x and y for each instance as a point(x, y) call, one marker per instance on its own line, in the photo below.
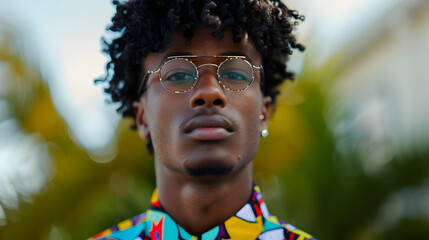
point(249, 219)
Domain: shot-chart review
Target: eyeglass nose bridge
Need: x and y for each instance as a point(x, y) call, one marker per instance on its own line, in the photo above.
point(205, 65)
point(208, 64)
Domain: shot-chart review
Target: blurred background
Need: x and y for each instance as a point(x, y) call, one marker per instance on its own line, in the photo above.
point(347, 156)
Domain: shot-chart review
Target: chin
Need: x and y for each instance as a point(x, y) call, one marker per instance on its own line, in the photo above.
point(208, 168)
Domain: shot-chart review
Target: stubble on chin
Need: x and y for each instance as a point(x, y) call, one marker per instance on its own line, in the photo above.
point(208, 168)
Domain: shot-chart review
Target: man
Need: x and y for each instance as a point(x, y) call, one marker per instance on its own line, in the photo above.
point(199, 77)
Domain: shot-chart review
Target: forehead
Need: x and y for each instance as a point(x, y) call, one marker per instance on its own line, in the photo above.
point(203, 44)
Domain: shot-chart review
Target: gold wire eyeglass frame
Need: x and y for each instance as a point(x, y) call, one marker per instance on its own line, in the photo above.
point(185, 57)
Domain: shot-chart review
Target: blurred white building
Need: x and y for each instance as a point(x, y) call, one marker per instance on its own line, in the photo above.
point(381, 102)
point(382, 89)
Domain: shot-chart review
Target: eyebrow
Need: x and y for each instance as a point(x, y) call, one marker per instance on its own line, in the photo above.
point(234, 54)
point(175, 54)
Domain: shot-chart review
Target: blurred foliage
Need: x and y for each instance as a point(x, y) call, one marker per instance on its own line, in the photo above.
point(305, 180)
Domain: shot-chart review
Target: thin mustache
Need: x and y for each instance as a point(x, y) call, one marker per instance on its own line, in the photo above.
point(208, 112)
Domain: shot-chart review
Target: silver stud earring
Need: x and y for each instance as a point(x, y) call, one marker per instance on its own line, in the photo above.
point(264, 133)
point(261, 117)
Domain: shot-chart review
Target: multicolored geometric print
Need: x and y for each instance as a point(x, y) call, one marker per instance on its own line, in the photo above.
point(252, 221)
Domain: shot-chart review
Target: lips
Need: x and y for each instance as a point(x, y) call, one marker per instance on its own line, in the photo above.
point(209, 127)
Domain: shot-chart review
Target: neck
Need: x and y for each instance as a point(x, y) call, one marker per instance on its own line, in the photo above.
point(200, 203)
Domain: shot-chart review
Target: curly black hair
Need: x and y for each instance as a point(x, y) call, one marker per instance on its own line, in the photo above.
point(146, 26)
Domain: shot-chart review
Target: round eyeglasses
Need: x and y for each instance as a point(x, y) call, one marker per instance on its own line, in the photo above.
point(179, 74)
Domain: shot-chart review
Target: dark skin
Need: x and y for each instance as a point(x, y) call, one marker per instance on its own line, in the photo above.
point(184, 143)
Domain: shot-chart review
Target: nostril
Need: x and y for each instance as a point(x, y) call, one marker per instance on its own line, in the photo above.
point(217, 102)
point(199, 102)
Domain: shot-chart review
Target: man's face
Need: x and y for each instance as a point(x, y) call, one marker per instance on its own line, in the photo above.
point(208, 130)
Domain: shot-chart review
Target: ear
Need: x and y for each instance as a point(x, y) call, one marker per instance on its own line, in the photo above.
point(265, 112)
point(141, 120)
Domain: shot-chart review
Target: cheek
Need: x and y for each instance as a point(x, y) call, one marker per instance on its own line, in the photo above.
point(251, 108)
point(164, 117)
point(252, 130)
point(158, 114)
point(250, 136)
point(250, 112)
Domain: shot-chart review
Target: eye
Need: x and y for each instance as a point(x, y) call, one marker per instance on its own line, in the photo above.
point(233, 76)
point(180, 76)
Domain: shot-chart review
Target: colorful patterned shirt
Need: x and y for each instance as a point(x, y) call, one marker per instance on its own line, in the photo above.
point(252, 221)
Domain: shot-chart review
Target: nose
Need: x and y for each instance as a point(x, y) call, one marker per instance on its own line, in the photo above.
point(208, 92)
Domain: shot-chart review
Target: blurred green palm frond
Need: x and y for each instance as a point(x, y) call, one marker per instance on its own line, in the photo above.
point(50, 188)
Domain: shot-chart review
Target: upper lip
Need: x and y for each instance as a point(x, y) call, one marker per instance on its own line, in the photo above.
point(208, 121)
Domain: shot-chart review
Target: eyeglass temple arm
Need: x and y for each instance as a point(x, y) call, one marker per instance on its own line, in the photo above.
point(262, 76)
point(143, 83)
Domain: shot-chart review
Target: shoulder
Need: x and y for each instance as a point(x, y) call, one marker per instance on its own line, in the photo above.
point(276, 228)
point(127, 229)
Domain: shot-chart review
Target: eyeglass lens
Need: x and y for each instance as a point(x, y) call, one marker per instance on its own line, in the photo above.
point(180, 75)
